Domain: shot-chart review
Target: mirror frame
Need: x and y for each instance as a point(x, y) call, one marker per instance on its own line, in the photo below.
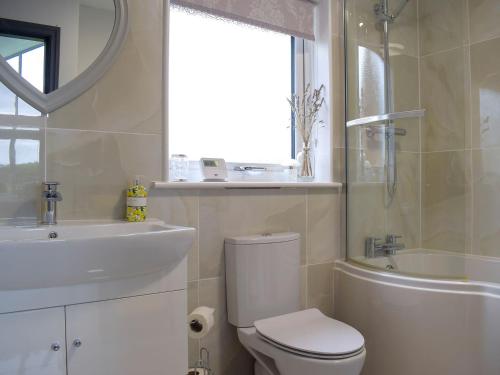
point(47, 103)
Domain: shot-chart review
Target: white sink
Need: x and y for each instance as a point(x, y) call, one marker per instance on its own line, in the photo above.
point(88, 251)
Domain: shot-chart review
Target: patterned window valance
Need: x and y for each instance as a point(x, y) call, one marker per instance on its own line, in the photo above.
point(294, 17)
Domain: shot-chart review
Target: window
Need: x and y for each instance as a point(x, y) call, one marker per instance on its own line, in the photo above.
point(32, 50)
point(228, 85)
point(28, 60)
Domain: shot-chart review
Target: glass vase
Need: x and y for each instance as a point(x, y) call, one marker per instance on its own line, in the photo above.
point(305, 160)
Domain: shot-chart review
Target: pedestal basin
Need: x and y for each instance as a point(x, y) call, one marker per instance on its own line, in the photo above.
point(79, 252)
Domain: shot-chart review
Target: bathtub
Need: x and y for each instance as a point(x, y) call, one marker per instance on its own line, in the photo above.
point(445, 323)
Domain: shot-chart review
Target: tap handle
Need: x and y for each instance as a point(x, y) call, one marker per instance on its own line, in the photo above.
point(373, 241)
point(393, 238)
point(50, 185)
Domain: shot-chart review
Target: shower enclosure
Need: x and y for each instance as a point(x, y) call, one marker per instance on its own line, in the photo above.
point(383, 130)
point(422, 276)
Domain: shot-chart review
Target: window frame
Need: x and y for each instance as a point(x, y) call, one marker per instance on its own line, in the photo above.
point(50, 35)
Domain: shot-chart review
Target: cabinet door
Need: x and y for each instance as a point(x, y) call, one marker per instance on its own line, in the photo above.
point(33, 343)
point(132, 336)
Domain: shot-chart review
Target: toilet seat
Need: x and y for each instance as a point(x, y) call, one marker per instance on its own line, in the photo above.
point(278, 361)
point(311, 334)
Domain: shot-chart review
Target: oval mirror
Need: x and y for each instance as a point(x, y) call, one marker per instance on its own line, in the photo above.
point(51, 51)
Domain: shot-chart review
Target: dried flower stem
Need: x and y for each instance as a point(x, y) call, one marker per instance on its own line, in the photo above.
point(305, 109)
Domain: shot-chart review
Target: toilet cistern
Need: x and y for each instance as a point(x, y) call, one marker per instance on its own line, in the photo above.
point(50, 197)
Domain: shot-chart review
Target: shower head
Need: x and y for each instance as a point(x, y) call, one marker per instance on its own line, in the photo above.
point(382, 10)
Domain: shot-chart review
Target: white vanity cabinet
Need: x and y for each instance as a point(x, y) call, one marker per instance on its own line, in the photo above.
point(33, 342)
point(130, 336)
point(141, 335)
point(125, 327)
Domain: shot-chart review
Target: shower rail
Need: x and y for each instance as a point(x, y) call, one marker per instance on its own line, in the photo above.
point(386, 117)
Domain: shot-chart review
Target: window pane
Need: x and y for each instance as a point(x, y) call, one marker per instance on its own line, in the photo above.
point(33, 67)
point(7, 97)
point(7, 101)
point(228, 88)
point(14, 63)
point(24, 109)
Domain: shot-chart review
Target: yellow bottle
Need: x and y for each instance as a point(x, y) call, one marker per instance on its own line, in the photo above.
point(137, 202)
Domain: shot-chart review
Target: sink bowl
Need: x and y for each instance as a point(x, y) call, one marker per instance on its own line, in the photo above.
point(78, 252)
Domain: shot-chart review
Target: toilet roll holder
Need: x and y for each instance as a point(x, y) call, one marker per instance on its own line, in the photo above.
point(202, 365)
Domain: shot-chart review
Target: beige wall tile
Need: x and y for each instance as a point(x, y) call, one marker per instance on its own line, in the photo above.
point(366, 216)
point(303, 287)
point(444, 200)
point(339, 164)
point(411, 141)
point(323, 226)
point(338, 88)
point(486, 190)
point(444, 97)
point(95, 169)
point(132, 82)
point(178, 207)
point(226, 213)
point(343, 223)
point(469, 202)
point(404, 75)
point(485, 84)
point(484, 16)
point(320, 287)
point(193, 345)
point(403, 214)
point(442, 25)
point(227, 356)
point(337, 15)
point(22, 159)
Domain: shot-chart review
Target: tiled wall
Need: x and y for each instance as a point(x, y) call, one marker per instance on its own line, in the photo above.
point(315, 214)
point(460, 89)
point(97, 143)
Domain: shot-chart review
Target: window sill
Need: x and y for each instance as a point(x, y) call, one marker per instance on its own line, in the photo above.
point(244, 185)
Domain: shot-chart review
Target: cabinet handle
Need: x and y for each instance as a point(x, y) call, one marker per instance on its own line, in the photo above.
point(77, 343)
point(55, 347)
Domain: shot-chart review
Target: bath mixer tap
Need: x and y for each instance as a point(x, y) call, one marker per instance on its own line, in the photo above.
point(50, 197)
point(392, 244)
point(374, 247)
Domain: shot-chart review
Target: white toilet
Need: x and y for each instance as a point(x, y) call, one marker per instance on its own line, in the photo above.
point(263, 302)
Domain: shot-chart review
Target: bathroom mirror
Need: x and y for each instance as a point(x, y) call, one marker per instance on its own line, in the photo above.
point(51, 51)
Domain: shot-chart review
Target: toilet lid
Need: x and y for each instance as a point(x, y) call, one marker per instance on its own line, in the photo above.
point(309, 331)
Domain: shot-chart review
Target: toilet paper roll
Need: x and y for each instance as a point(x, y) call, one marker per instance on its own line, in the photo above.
point(200, 322)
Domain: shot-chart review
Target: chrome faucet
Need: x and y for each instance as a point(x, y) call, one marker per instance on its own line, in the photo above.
point(392, 244)
point(375, 248)
point(50, 197)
